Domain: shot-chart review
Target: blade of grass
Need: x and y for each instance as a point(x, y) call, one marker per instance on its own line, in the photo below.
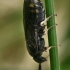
point(52, 38)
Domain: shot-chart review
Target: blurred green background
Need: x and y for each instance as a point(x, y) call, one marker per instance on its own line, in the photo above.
point(13, 52)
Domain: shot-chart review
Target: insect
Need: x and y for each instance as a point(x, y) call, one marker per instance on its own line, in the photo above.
point(34, 18)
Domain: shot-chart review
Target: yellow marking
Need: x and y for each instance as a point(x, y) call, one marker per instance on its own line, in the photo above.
point(31, 4)
point(37, 11)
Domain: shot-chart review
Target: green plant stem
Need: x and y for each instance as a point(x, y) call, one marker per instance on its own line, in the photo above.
point(52, 38)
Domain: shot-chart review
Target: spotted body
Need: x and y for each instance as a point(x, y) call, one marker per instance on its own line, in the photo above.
point(34, 14)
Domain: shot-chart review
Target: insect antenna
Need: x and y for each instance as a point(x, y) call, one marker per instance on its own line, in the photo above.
point(39, 67)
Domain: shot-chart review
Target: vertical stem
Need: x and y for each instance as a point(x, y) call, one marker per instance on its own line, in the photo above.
point(52, 38)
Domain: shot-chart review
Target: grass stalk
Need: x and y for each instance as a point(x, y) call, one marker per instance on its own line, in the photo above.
point(52, 38)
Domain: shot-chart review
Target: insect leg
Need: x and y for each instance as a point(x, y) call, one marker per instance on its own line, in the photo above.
point(48, 48)
point(51, 27)
point(42, 23)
